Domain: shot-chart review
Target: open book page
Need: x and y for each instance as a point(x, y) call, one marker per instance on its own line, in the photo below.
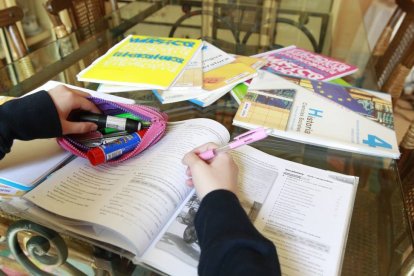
point(177, 252)
point(307, 216)
point(135, 198)
point(28, 162)
point(311, 195)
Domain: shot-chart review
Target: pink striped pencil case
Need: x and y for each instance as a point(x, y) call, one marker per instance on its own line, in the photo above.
point(157, 126)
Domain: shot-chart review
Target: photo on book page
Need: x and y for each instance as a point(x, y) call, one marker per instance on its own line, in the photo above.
point(180, 239)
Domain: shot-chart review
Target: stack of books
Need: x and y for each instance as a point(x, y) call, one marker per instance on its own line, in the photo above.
point(290, 90)
point(300, 96)
point(175, 69)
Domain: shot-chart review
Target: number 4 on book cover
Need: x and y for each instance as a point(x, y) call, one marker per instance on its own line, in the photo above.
point(320, 113)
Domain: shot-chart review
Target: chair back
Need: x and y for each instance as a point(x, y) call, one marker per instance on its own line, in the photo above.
point(15, 47)
point(394, 57)
point(84, 15)
point(8, 19)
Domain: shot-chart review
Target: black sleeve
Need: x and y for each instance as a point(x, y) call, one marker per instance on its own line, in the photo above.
point(230, 244)
point(27, 118)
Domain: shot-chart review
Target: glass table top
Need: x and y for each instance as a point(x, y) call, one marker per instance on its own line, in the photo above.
point(379, 240)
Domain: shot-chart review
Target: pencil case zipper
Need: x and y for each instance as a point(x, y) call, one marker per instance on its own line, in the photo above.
point(145, 112)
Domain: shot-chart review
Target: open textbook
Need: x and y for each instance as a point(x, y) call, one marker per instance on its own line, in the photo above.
point(305, 211)
point(320, 113)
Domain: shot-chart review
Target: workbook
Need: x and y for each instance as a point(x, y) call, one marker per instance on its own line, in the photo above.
point(212, 58)
point(144, 62)
point(217, 82)
point(320, 113)
point(190, 79)
point(143, 210)
point(295, 61)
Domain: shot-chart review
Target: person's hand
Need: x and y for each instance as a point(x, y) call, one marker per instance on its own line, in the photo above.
point(66, 100)
point(206, 176)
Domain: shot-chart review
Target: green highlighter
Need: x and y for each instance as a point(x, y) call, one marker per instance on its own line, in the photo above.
point(145, 124)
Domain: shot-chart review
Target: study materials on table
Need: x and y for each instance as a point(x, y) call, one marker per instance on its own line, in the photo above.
point(144, 62)
point(139, 126)
point(239, 91)
point(147, 214)
point(294, 61)
point(219, 81)
point(246, 138)
point(212, 58)
point(191, 78)
point(29, 162)
point(320, 113)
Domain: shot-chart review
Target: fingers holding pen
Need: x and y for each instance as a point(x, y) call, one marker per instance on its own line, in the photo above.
point(67, 100)
point(206, 176)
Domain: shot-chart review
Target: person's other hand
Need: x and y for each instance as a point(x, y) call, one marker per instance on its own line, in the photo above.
point(66, 100)
point(206, 176)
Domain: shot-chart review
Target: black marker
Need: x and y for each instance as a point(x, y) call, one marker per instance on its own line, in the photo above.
point(104, 121)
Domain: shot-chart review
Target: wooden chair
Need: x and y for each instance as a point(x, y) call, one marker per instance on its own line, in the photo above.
point(85, 20)
point(14, 42)
point(84, 15)
point(393, 57)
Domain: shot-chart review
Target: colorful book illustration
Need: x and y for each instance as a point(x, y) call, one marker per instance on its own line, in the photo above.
point(190, 79)
point(239, 91)
point(320, 113)
point(219, 81)
point(294, 61)
point(142, 61)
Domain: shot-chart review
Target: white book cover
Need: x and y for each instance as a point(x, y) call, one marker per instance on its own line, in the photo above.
point(320, 113)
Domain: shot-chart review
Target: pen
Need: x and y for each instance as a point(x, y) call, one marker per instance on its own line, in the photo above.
point(104, 121)
point(243, 139)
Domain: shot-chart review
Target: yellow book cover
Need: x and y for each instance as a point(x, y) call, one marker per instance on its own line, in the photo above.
point(144, 61)
point(231, 73)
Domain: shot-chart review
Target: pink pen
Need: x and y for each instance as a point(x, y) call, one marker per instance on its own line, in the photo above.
point(243, 139)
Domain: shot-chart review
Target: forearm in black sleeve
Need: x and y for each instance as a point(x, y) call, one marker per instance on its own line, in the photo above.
point(230, 244)
point(31, 117)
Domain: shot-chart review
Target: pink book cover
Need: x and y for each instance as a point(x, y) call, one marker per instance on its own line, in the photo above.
point(294, 61)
